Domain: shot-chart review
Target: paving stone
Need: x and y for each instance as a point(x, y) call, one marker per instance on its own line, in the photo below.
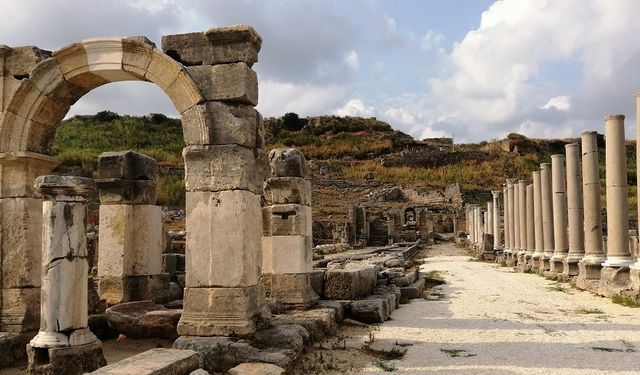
point(155, 362)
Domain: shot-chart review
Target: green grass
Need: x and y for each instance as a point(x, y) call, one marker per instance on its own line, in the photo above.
point(588, 311)
point(624, 300)
point(170, 191)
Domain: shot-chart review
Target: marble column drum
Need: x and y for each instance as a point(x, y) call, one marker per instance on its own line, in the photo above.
point(537, 221)
point(560, 222)
point(591, 264)
point(615, 270)
point(547, 216)
point(575, 211)
point(63, 314)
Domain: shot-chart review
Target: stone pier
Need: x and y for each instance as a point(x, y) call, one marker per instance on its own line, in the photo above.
point(64, 328)
point(560, 222)
point(496, 221)
point(522, 222)
point(537, 221)
point(615, 270)
point(575, 211)
point(130, 237)
point(286, 233)
point(590, 265)
point(546, 198)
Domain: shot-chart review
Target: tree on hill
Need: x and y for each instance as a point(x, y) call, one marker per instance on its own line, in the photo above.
point(292, 122)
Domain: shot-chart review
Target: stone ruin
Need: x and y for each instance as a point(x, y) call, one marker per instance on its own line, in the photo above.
point(554, 225)
point(247, 248)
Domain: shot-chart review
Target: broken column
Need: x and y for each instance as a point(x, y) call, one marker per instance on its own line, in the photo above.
point(130, 236)
point(575, 211)
point(547, 216)
point(615, 270)
point(537, 221)
point(591, 264)
point(63, 316)
point(21, 239)
point(286, 235)
point(522, 220)
point(496, 220)
point(224, 174)
point(560, 223)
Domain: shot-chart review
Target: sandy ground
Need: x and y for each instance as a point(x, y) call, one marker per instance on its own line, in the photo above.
point(491, 320)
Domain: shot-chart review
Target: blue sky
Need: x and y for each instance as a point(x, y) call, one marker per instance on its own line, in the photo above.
point(476, 69)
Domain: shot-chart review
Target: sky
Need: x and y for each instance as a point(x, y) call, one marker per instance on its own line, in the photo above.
point(469, 69)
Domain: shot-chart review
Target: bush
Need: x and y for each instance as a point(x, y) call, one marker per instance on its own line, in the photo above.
point(170, 191)
point(292, 122)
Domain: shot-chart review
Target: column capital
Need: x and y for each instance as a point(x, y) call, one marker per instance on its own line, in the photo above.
point(54, 185)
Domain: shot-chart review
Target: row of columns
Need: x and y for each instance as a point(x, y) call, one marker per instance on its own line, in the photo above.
point(553, 224)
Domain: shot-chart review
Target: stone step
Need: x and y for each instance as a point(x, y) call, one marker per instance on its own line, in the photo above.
point(155, 362)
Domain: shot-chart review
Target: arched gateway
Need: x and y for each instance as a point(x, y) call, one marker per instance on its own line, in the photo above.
point(208, 77)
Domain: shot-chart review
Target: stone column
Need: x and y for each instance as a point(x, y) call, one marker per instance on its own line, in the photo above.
point(63, 316)
point(522, 220)
point(489, 221)
point(590, 265)
point(537, 221)
point(575, 209)
point(531, 242)
point(470, 225)
point(512, 231)
point(130, 236)
point(547, 216)
point(478, 221)
point(224, 173)
point(615, 270)
point(21, 239)
point(516, 225)
point(505, 210)
point(496, 220)
point(560, 222)
point(287, 254)
point(635, 268)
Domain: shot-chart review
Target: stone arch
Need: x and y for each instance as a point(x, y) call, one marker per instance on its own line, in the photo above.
point(57, 82)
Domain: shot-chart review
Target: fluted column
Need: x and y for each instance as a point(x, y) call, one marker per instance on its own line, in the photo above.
point(537, 219)
point(560, 223)
point(575, 210)
point(496, 219)
point(590, 265)
point(547, 215)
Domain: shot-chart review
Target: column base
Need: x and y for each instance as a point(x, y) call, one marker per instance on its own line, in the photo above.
point(48, 339)
point(292, 289)
point(499, 256)
point(71, 360)
point(488, 255)
point(557, 264)
point(211, 311)
point(545, 263)
point(570, 266)
point(634, 278)
point(119, 289)
point(618, 261)
point(535, 262)
point(589, 273)
point(614, 280)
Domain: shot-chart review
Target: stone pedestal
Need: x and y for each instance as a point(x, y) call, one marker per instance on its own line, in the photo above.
point(615, 271)
point(21, 239)
point(130, 237)
point(63, 315)
point(287, 235)
point(590, 265)
point(79, 359)
point(547, 217)
point(560, 222)
point(575, 211)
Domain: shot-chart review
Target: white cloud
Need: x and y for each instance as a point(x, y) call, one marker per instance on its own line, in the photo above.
point(432, 40)
point(351, 59)
point(355, 108)
point(278, 98)
point(561, 103)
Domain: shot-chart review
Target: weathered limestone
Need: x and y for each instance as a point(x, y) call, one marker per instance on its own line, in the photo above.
point(517, 245)
point(21, 239)
point(522, 221)
point(63, 318)
point(471, 227)
point(155, 362)
point(286, 236)
point(130, 237)
point(590, 265)
point(537, 221)
point(615, 270)
point(575, 211)
point(531, 242)
point(496, 220)
point(560, 222)
point(635, 268)
point(512, 231)
point(547, 216)
point(505, 210)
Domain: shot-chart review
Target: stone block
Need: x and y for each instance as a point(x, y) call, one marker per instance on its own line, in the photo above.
point(131, 192)
point(317, 281)
point(287, 190)
point(162, 70)
point(219, 311)
point(118, 289)
point(79, 359)
point(143, 319)
point(369, 311)
point(287, 220)
point(20, 309)
point(256, 369)
point(155, 362)
point(343, 284)
point(184, 93)
point(224, 124)
point(224, 241)
point(614, 280)
point(285, 336)
point(136, 55)
point(287, 162)
point(634, 278)
point(128, 165)
point(318, 322)
point(286, 254)
point(235, 43)
point(290, 288)
point(188, 49)
point(235, 82)
point(130, 240)
point(223, 167)
point(414, 290)
point(18, 171)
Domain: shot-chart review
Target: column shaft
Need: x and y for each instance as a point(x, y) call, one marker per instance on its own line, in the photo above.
point(594, 252)
point(574, 204)
point(531, 243)
point(537, 215)
point(547, 211)
point(496, 219)
point(559, 213)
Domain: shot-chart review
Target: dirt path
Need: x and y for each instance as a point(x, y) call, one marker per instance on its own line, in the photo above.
point(494, 321)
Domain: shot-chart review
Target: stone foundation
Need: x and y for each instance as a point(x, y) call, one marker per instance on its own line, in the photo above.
point(73, 360)
point(614, 280)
